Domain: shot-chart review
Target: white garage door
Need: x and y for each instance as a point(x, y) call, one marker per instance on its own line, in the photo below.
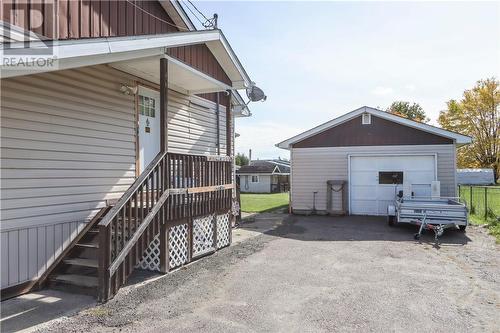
point(375, 180)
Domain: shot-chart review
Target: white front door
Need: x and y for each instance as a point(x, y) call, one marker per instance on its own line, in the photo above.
point(376, 180)
point(149, 126)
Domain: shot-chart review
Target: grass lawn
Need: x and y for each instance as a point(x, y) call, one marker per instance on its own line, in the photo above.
point(493, 225)
point(475, 198)
point(259, 203)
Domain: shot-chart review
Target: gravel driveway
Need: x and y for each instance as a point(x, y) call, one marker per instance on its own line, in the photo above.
point(315, 274)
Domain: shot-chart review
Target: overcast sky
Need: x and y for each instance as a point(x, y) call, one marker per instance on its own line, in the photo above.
point(319, 60)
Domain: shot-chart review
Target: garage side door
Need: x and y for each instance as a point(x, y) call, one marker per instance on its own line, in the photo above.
point(372, 180)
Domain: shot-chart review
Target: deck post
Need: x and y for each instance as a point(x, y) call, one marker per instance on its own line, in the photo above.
point(164, 251)
point(164, 228)
point(104, 262)
point(164, 104)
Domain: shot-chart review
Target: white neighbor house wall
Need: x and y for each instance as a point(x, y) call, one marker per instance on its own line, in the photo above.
point(67, 146)
point(263, 186)
point(312, 167)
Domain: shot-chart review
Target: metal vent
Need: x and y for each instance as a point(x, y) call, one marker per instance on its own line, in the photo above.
point(366, 119)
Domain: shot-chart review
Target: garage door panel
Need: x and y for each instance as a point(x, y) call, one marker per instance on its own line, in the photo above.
point(416, 177)
point(364, 207)
point(362, 192)
point(387, 191)
point(363, 178)
point(368, 197)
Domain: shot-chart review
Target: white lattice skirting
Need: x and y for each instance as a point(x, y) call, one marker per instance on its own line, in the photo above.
point(151, 259)
point(203, 235)
point(223, 229)
point(178, 245)
point(178, 238)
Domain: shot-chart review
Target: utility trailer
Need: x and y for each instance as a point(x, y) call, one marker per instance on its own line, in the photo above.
point(436, 214)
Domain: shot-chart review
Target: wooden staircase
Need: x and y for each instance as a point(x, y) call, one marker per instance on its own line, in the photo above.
point(173, 188)
point(76, 269)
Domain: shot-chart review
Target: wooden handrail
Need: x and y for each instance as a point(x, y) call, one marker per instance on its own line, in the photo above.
point(132, 189)
point(57, 261)
point(173, 186)
point(123, 253)
point(128, 246)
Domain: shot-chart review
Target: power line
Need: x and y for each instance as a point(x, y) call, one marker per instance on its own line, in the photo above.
point(192, 4)
point(156, 17)
point(202, 23)
point(209, 23)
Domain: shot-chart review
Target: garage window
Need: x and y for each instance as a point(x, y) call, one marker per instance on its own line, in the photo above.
point(255, 179)
point(390, 177)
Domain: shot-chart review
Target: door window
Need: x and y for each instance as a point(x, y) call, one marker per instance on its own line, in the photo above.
point(147, 106)
point(390, 177)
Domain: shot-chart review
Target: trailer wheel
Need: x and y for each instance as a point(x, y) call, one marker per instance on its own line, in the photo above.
point(462, 228)
point(391, 220)
point(416, 236)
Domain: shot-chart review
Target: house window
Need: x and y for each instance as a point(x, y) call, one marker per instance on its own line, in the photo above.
point(390, 177)
point(255, 179)
point(366, 119)
point(147, 106)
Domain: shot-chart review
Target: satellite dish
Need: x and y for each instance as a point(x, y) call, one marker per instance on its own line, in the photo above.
point(255, 94)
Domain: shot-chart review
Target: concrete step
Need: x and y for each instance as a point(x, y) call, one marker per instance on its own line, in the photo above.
point(81, 262)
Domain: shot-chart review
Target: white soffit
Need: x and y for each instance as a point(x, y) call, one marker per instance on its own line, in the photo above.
point(459, 138)
point(181, 77)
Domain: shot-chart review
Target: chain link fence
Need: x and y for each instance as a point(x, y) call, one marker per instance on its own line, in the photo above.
point(483, 201)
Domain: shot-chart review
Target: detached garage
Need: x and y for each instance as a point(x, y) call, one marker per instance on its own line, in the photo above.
point(374, 154)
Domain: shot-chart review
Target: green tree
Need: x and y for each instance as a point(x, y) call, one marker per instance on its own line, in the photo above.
point(412, 112)
point(241, 159)
point(477, 115)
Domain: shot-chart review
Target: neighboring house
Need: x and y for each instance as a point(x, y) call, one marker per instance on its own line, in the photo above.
point(475, 177)
point(121, 156)
point(264, 176)
point(374, 152)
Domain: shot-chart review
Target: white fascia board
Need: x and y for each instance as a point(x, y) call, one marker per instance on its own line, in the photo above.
point(179, 12)
point(246, 82)
point(458, 138)
point(225, 54)
point(86, 52)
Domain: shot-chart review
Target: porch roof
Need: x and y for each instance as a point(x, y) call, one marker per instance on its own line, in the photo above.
point(125, 51)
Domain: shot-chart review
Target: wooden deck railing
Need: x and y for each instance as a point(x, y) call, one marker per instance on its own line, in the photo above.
point(173, 187)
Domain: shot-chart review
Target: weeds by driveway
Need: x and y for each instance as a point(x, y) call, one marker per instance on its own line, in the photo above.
point(318, 274)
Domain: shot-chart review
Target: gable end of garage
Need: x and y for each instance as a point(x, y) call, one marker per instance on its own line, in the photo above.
point(379, 132)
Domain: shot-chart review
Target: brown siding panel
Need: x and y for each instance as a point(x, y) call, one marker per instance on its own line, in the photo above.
point(74, 19)
point(95, 19)
point(86, 18)
point(380, 132)
point(62, 12)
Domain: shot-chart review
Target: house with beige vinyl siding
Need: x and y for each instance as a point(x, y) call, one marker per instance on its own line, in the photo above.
point(123, 148)
point(264, 176)
point(374, 153)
